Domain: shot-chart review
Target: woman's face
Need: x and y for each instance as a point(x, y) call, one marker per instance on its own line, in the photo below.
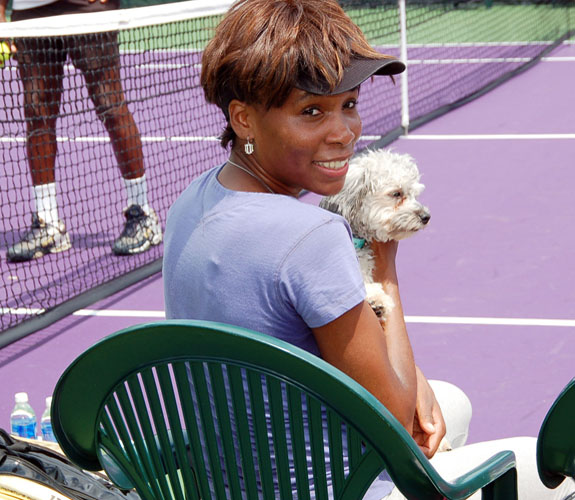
point(307, 142)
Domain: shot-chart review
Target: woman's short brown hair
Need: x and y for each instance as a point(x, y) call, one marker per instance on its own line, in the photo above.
point(262, 47)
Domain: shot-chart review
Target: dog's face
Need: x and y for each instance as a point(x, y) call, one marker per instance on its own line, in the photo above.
point(393, 212)
point(379, 198)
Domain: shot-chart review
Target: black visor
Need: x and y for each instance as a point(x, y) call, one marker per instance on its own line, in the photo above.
point(354, 75)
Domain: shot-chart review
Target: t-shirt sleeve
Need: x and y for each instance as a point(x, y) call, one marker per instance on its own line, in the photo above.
point(320, 277)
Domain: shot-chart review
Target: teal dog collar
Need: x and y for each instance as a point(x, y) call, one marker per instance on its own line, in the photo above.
point(358, 242)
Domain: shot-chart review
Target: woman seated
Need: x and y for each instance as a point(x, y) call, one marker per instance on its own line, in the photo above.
point(242, 249)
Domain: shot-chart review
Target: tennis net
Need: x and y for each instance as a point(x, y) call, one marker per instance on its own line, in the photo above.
point(455, 50)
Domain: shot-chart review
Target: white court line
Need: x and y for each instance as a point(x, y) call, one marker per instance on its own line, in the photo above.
point(107, 139)
point(486, 60)
point(477, 44)
point(190, 138)
point(483, 137)
point(437, 320)
point(559, 59)
point(452, 320)
point(193, 139)
point(12, 139)
point(411, 62)
point(119, 313)
point(21, 311)
point(489, 60)
point(448, 320)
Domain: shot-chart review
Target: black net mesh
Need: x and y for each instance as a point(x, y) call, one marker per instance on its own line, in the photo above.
point(379, 99)
point(91, 112)
point(457, 48)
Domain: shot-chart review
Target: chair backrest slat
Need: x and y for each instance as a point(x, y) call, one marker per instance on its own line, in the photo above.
point(279, 437)
point(125, 423)
point(191, 423)
point(183, 478)
point(156, 412)
point(297, 434)
point(132, 442)
point(262, 444)
point(354, 450)
point(142, 435)
point(111, 447)
point(336, 432)
point(317, 445)
point(210, 441)
point(238, 387)
point(219, 395)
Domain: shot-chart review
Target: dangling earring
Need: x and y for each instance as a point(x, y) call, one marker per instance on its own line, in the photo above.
point(248, 147)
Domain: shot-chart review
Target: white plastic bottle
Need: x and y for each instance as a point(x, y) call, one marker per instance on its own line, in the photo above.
point(46, 422)
point(23, 418)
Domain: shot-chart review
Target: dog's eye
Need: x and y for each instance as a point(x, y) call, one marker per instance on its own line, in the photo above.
point(397, 194)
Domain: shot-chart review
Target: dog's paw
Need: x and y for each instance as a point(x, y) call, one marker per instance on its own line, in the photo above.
point(380, 302)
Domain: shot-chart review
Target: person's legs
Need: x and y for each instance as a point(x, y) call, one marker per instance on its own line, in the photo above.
point(97, 56)
point(456, 410)
point(41, 68)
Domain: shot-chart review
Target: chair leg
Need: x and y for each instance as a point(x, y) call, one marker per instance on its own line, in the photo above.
point(504, 488)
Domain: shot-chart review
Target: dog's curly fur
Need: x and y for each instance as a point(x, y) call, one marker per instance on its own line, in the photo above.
point(379, 200)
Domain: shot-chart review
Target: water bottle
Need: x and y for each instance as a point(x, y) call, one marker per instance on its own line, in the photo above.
point(46, 422)
point(23, 418)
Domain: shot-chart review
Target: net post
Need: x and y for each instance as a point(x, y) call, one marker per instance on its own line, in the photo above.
point(403, 57)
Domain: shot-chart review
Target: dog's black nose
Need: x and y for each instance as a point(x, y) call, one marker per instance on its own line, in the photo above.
point(425, 218)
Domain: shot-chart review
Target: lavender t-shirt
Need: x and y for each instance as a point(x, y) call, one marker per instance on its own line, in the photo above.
point(262, 261)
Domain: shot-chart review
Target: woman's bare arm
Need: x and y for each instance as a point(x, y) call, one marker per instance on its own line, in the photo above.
point(379, 358)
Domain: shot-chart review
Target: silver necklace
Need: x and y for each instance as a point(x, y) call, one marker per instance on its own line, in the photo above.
point(249, 172)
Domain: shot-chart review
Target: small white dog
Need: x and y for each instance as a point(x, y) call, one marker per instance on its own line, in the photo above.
point(379, 200)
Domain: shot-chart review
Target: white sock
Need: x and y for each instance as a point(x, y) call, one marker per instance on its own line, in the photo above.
point(46, 203)
point(137, 192)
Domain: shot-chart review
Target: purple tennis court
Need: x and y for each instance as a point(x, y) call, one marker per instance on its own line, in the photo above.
point(487, 287)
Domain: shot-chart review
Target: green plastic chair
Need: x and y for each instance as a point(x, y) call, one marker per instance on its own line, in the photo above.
point(164, 408)
point(556, 440)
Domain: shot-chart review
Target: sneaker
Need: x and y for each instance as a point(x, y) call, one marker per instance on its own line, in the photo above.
point(140, 232)
point(41, 239)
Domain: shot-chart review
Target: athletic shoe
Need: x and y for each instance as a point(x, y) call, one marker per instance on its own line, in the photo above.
point(140, 232)
point(41, 239)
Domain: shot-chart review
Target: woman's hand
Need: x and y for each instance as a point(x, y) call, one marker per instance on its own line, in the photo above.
point(428, 424)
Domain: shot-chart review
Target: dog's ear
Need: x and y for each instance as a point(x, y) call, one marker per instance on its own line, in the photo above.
point(329, 203)
point(349, 200)
point(357, 191)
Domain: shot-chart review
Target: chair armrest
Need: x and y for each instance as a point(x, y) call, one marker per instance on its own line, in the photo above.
point(496, 474)
point(486, 474)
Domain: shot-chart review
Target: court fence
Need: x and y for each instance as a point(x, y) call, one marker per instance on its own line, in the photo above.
point(455, 51)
